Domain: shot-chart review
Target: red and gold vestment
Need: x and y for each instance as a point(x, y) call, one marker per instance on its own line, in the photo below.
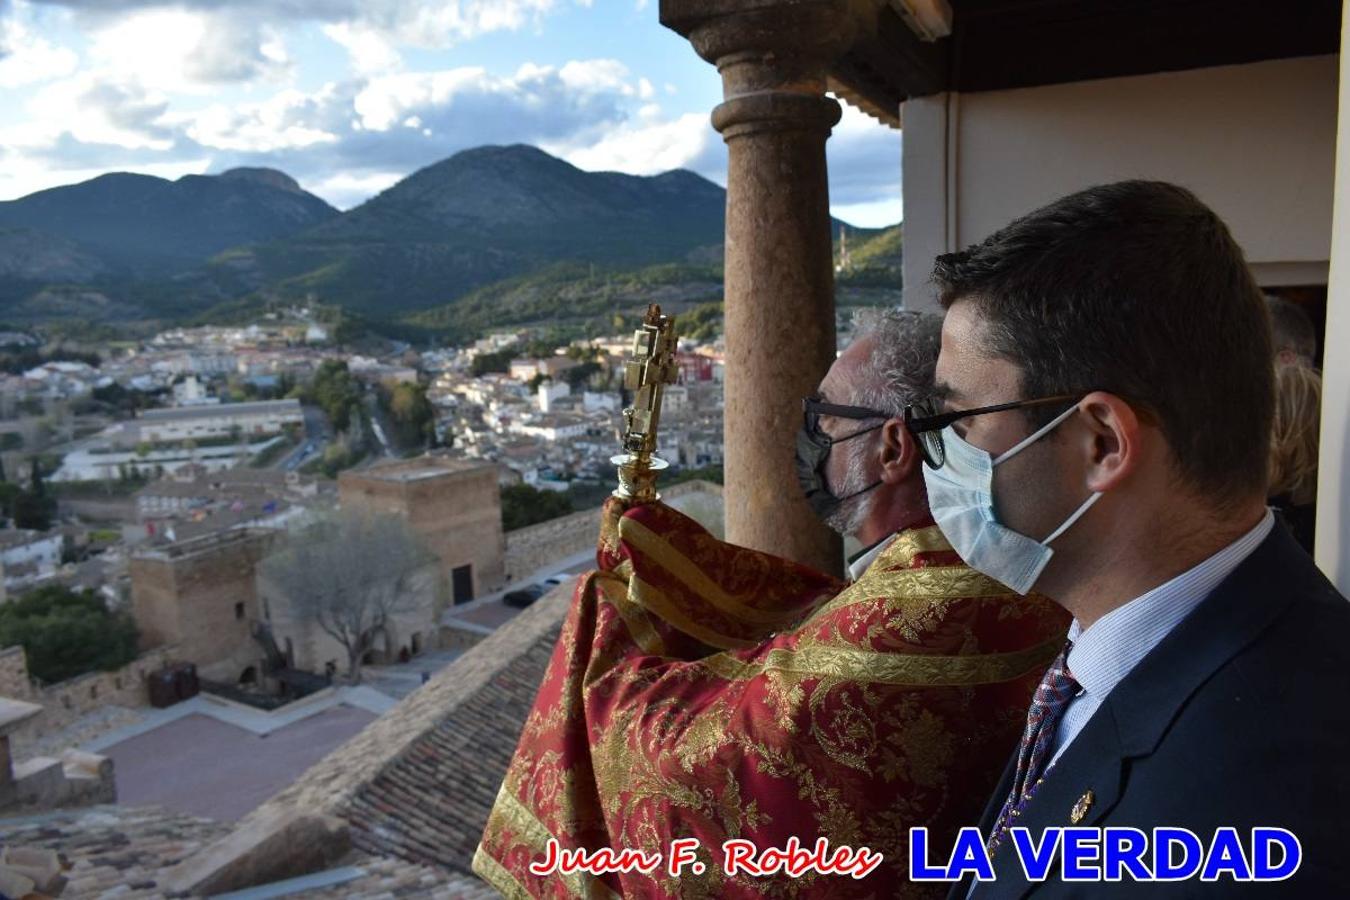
point(703, 690)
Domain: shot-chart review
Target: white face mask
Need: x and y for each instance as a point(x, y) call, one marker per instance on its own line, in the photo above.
point(961, 497)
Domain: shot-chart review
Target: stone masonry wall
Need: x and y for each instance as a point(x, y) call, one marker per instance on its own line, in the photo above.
point(66, 701)
point(532, 548)
point(14, 680)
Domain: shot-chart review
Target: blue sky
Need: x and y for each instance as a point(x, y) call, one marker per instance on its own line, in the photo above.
point(349, 96)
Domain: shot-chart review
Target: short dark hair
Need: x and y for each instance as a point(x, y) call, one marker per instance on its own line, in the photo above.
point(1136, 288)
point(1291, 329)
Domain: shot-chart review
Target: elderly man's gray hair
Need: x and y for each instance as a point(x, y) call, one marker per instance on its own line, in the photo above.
point(899, 370)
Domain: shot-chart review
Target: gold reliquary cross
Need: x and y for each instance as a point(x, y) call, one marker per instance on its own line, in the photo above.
point(651, 367)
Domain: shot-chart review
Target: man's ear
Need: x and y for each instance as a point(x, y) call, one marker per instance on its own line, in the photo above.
point(1113, 440)
point(899, 452)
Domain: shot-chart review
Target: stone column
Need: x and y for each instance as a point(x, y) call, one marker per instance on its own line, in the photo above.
point(773, 58)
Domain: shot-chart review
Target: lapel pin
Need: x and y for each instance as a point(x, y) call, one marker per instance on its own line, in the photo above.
point(1080, 809)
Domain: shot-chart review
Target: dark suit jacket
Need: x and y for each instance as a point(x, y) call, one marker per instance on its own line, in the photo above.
point(1240, 716)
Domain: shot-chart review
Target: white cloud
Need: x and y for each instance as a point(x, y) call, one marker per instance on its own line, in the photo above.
point(188, 50)
point(346, 190)
point(584, 94)
point(370, 51)
point(275, 124)
point(595, 75)
point(877, 214)
point(864, 159)
point(27, 59)
point(385, 101)
point(94, 110)
point(645, 149)
point(225, 40)
point(443, 23)
point(420, 23)
point(233, 51)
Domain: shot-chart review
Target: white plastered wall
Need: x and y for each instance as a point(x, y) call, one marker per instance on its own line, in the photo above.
point(1333, 486)
point(1257, 142)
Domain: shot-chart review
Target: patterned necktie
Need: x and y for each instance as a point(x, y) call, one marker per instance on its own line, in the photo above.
point(1056, 689)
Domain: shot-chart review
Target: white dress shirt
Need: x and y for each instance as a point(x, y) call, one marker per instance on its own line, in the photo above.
point(1105, 653)
point(859, 563)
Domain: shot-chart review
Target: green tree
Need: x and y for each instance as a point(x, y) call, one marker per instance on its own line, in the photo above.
point(500, 361)
point(579, 375)
point(9, 493)
point(524, 505)
point(66, 634)
point(411, 414)
point(703, 322)
point(34, 508)
point(336, 392)
point(541, 348)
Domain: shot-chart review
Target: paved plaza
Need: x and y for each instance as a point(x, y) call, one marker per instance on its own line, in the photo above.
point(202, 766)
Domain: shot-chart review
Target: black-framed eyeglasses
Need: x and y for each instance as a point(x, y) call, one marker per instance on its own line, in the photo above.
point(814, 407)
point(926, 424)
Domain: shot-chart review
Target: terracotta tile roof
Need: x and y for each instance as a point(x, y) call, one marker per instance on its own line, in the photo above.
point(431, 805)
point(113, 848)
point(386, 879)
point(117, 851)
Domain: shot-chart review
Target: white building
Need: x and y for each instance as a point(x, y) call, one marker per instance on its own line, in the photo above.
point(550, 391)
point(261, 418)
point(596, 402)
point(56, 380)
point(110, 464)
point(28, 556)
point(552, 428)
point(524, 369)
point(191, 392)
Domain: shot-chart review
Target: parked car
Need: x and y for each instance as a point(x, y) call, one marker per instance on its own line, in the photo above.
point(523, 597)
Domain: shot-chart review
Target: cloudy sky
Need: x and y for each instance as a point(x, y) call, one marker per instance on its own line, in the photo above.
point(348, 96)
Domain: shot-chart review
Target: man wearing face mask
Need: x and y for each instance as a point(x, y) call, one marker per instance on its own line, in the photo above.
point(704, 690)
point(1102, 437)
point(855, 463)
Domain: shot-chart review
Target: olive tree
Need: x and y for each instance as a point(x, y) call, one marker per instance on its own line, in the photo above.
point(349, 573)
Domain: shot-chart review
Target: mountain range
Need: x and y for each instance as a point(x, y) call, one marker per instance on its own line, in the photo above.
point(489, 236)
point(142, 225)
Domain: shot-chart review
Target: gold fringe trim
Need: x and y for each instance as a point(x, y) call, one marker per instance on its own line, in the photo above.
point(855, 664)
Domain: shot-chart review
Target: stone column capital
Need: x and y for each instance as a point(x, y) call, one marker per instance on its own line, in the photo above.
point(813, 30)
point(773, 56)
point(768, 45)
point(775, 110)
